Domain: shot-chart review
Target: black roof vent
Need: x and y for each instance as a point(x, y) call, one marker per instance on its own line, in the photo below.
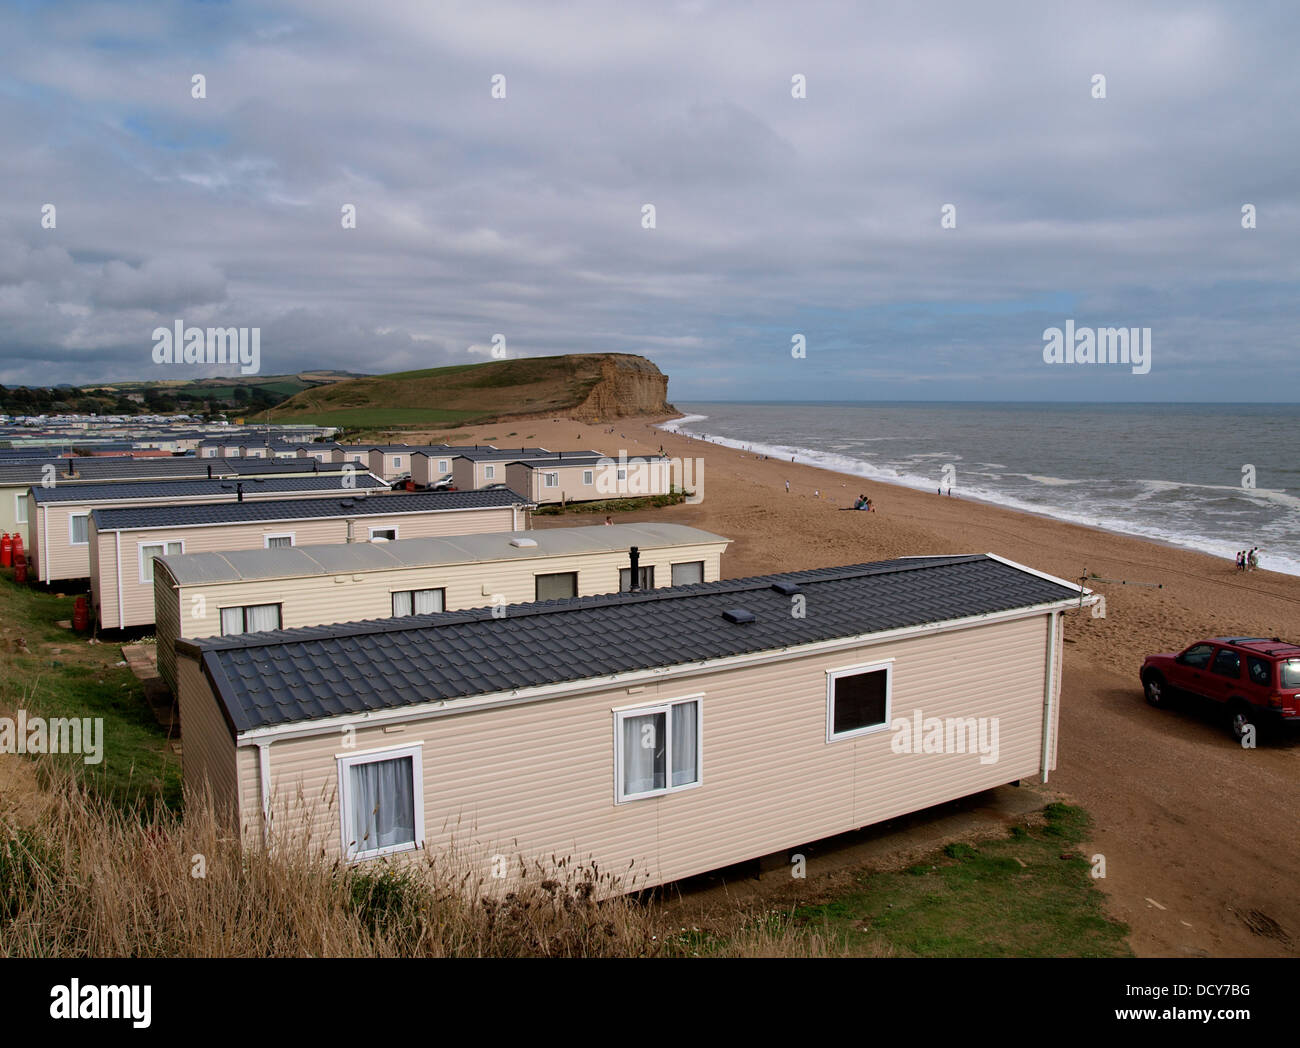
point(738, 615)
point(788, 589)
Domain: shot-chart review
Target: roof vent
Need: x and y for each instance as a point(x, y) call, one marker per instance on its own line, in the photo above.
point(738, 615)
point(787, 589)
point(524, 543)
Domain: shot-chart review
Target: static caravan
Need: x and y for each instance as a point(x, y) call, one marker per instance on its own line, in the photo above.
point(60, 544)
point(584, 476)
point(124, 542)
point(659, 734)
point(211, 594)
point(17, 477)
point(430, 465)
point(474, 468)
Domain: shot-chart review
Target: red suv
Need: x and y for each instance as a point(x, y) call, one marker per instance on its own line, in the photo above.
point(1256, 679)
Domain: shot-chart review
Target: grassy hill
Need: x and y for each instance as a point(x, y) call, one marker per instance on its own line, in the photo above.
point(586, 386)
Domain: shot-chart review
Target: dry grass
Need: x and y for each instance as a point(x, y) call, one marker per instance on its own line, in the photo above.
point(87, 879)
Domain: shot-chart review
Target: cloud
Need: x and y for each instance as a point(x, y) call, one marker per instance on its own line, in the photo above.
point(775, 215)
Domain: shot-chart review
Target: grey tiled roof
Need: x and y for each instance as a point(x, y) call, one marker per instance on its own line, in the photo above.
point(289, 676)
point(490, 454)
point(112, 468)
point(300, 509)
point(217, 487)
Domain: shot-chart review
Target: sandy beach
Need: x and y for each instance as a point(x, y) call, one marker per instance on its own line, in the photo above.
point(1200, 840)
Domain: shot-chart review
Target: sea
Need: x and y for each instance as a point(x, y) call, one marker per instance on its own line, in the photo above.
point(1210, 477)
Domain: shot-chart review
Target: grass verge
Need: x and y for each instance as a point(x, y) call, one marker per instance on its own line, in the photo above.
point(1030, 894)
point(51, 672)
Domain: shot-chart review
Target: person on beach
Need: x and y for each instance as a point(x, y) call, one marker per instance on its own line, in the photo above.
point(1253, 560)
point(1238, 560)
point(787, 487)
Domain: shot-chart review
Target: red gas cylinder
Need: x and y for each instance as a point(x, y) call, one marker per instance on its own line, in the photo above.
point(6, 550)
point(20, 569)
point(18, 546)
point(80, 614)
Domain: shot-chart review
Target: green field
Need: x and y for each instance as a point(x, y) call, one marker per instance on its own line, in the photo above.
point(362, 418)
point(61, 675)
point(1030, 894)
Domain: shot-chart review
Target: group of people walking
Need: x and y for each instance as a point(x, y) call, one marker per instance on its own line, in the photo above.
point(1248, 559)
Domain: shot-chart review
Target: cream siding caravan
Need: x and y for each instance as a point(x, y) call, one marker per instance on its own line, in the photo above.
point(767, 730)
point(124, 542)
point(587, 476)
point(211, 594)
point(61, 536)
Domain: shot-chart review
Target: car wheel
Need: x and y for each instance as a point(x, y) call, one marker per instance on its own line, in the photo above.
point(1156, 690)
point(1241, 719)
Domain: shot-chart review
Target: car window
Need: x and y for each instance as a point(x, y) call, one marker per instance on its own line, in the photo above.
point(1227, 663)
point(1291, 673)
point(1260, 670)
point(1197, 656)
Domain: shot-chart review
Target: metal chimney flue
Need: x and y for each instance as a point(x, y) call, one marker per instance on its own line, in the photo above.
point(635, 554)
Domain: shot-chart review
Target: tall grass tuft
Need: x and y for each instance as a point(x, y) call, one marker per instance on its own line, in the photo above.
point(86, 878)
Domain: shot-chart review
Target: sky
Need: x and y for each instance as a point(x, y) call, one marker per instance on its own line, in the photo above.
point(1105, 203)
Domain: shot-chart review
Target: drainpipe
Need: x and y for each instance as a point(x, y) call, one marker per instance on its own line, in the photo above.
point(117, 566)
point(635, 554)
point(239, 492)
point(264, 774)
point(1049, 693)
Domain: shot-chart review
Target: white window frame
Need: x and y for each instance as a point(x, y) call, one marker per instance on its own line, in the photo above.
point(244, 608)
point(444, 467)
point(20, 509)
point(413, 592)
point(851, 671)
point(384, 527)
point(141, 546)
point(345, 761)
point(397, 462)
point(682, 564)
point(292, 536)
point(489, 472)
point(550, 480)
point(588, 477)
point(71, 518)
point(621, 474)
point(621, 713)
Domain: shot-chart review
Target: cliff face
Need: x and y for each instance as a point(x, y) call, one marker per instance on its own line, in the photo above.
point(628, 385)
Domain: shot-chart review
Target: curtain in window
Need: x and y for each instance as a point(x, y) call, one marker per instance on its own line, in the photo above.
point(686, 743)
point(644, 753)
point(262, 617)
point(689, 573)
point(382, 804)
point(232, 621)
point(402, 603)
point(557, 587)
point(428, 601)
point(80, 529)
point(150, 552)
point(279, 542)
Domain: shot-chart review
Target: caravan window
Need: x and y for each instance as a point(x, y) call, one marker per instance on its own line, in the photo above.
point(857, 700)
point(418, 602)
point(657, 749)
point(381, 802)
point(250, 618)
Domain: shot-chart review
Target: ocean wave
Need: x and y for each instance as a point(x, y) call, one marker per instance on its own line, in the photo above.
point(1090, 507)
